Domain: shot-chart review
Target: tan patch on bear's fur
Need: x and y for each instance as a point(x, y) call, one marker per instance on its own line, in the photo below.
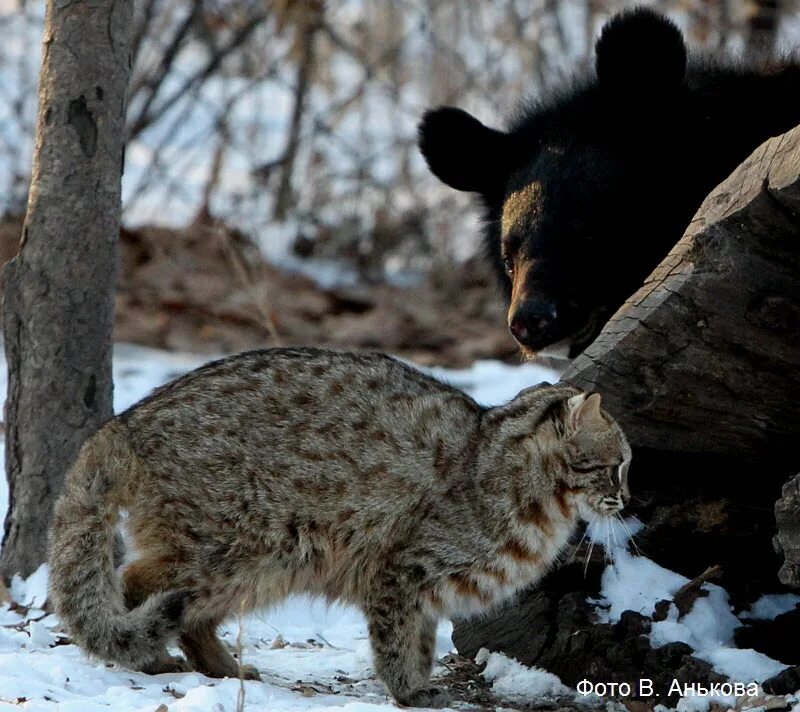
point(521, 206)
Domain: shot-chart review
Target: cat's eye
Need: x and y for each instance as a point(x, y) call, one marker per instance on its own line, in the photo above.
point(508, 265)
point(591, 467)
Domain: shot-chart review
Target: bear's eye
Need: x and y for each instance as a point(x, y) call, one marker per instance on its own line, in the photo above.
point(508, 264)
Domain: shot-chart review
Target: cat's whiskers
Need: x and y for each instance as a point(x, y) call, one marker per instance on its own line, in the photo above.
point(609, 533)
point(630, 534)
point(637, 521)
point(591, 546)
point(613, 529)
point(578, 545)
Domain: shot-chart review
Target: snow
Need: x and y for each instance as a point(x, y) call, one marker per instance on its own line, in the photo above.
point(742, 665)
point(32, 590)
point(635, 583)
point(771, 605)
point(316, 644)
point(512, 679)
point(315, 656)
point(138, 370)
point(493, 382)
point(701, 703)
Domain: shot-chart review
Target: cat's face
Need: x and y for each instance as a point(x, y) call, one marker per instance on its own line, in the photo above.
point(597, 457)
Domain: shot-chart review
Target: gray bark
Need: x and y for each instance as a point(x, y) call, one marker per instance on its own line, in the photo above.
point(306, 29)
point(59, 295)
point(705, 357)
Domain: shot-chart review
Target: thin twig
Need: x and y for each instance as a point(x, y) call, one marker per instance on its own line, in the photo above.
point(687, 594)
point(239, 656)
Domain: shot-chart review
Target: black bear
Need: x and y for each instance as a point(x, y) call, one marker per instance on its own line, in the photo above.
point(591, 186)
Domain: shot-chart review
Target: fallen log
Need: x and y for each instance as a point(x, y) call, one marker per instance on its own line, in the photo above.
point(787, 538)
point(705, 357)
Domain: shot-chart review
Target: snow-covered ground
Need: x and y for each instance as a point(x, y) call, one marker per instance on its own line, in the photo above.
point(316, 657)
point(635, 583)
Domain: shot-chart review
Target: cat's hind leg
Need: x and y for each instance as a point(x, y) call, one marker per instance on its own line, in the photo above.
point(402, 636)
point(208, 654)
point(198, 639)
point(141, 579)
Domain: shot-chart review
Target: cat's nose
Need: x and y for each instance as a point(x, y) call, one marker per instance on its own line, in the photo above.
point(533, 323)
point(624, 498)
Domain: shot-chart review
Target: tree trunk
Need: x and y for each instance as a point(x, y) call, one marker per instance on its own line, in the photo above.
point(59, 294)
point(701, 367)
point(307, 19)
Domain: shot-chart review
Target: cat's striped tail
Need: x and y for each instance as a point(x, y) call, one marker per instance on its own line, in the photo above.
point(85, 589)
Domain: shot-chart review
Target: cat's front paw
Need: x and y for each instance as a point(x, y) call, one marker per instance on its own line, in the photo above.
point(250, 672)
point(169, 663)
point(427, 697)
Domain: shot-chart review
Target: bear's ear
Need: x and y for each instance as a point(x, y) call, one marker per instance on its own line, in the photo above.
point(462, 152)
point(640, 52)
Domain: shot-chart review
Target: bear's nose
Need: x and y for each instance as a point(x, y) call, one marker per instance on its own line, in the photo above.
point(532, 323)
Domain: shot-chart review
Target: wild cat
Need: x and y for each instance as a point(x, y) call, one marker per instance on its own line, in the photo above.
point(351, 476)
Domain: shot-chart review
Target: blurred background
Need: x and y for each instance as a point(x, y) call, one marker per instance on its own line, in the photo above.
point(273, 192)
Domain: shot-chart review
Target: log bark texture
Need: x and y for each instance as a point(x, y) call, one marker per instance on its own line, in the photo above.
point(58, 306)
point(705, 357)
point(787, 539)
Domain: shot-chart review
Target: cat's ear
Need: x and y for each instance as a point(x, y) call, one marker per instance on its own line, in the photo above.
point(583, 412)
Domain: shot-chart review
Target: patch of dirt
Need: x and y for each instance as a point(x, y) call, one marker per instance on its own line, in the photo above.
point(206, 289)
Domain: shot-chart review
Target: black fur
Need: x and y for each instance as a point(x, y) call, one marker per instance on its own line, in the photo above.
point(623, 159)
